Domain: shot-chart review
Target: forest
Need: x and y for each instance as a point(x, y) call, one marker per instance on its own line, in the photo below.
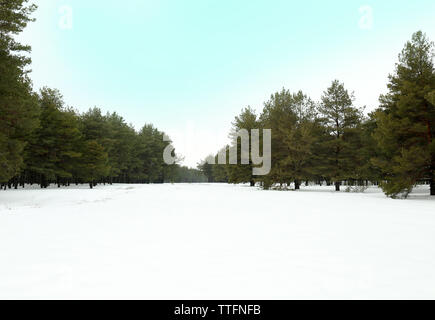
point(43, 141)
point(333, 141)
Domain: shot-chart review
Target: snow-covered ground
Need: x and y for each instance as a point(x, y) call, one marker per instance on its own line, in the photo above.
point(215, 242)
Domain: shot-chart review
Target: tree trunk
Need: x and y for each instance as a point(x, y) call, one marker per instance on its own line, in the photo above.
point(297, 185)
point(432, 178)
point(91, 185)
point(43, 182)
point(337, 186)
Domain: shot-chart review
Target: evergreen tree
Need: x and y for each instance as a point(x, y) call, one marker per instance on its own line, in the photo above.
point(213, 170)
point(43, 141)
point(152, 164)
point(18, 105)
point(221, 171)
point(341, 120)
point(300, 137)
point(279, 116)
point(93, 163)
point(242, 173)
point(367, 150)
point(188, 175)
point(69, 139)
point(52, 152)
point(120, 144)
point(206, 167)
point(406, 120)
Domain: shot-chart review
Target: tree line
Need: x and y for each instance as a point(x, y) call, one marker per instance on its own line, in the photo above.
point(335, 141)
point(43, 141)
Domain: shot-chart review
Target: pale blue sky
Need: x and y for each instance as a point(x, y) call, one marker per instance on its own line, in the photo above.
point(189, 67)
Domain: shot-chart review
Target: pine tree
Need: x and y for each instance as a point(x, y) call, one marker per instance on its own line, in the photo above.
point(93, 163)
point(120, 147)
point(151, 156)
point(184, 174)
point(206, 167)
point(300, 137)
point(242, 173)
point(69, 139)
point(341, 120)
point(43, 141)
point(52, 152)
point(279, 116)
point(367, 150)
point(18, 105)
point(221, 170)
point(406, 120)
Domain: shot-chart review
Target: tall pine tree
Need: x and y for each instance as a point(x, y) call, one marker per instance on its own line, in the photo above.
point(406, 120)
point(300, 138)
point(341, 120)
point(53, 149)
point(242, 173)
point(18, 105)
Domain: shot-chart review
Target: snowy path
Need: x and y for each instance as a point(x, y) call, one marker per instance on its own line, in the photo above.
point(214, 242)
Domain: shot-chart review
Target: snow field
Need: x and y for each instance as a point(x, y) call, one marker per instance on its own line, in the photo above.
point(215, 241)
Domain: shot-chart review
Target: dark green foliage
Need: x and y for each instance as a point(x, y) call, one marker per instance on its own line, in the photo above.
point(93, 162)
point(342, 122)
point(279, 116)
point(151, 156)
point(53, 150)
point(406, 121)
point(215, 172)
point(207, 167)
point(188, 175)
point(221, 172)
point(91, 148)
point(366, 150)
point(240, 173)
point(295, 136)
point(18, 105)
point(43, 141)
point(334, 142)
